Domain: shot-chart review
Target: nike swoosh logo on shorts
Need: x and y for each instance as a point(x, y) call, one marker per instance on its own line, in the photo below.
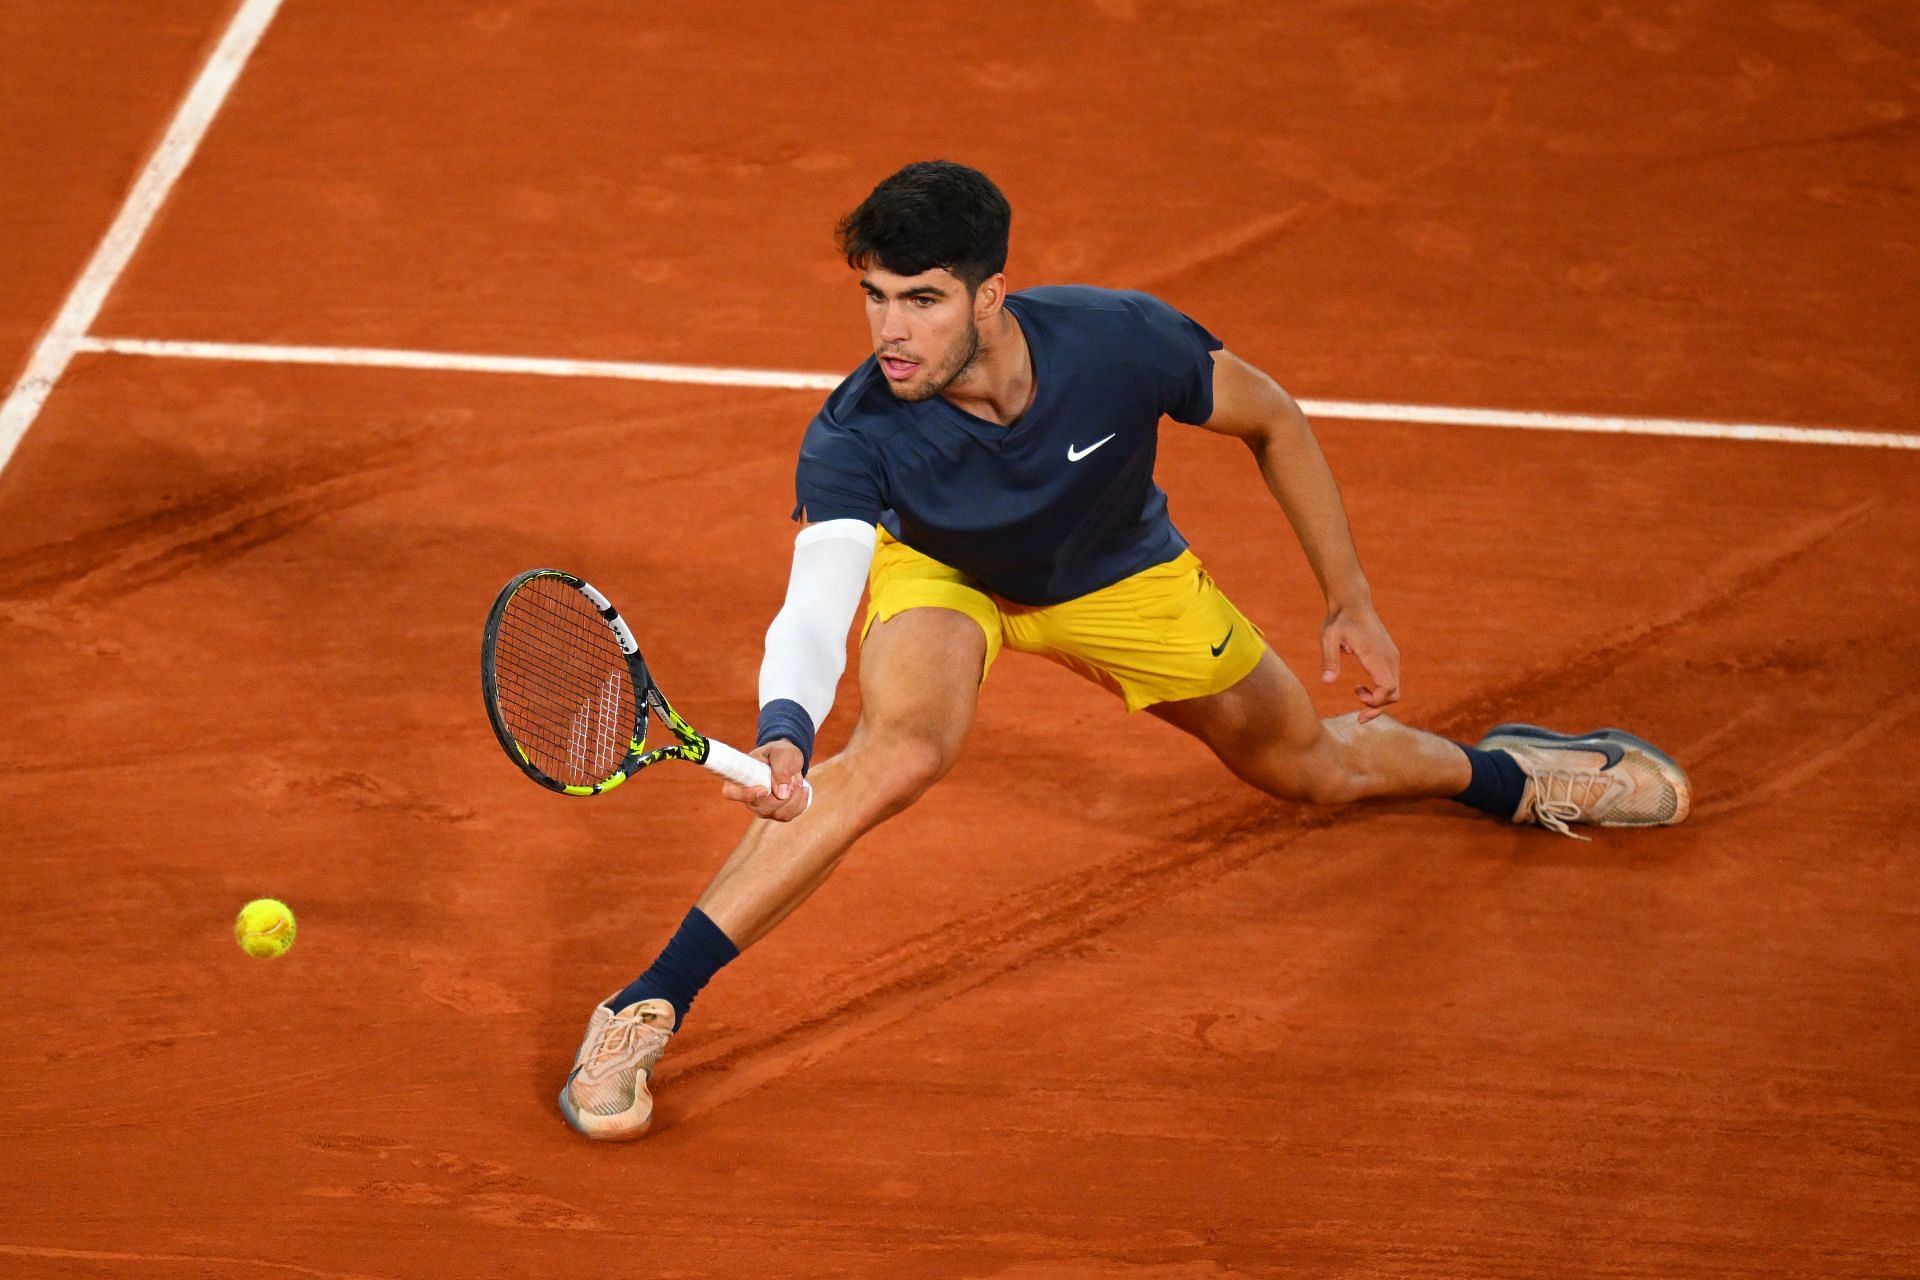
point(1074, 455)
point(1221, 647)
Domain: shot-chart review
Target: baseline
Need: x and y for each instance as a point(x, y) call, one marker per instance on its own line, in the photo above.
point(541, 366)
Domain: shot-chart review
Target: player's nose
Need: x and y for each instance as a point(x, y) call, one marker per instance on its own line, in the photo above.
point(893, 325)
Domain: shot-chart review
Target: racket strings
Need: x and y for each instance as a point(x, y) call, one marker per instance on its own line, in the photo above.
point(576, 732)
point(554, 674)
point(562, 683)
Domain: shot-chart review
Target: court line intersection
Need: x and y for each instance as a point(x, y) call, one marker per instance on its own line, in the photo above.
point(69, 333)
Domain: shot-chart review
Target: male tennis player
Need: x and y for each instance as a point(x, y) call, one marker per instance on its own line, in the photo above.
point(987, 475)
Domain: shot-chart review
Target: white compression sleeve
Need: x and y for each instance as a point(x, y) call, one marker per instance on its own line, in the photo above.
point(807, 642)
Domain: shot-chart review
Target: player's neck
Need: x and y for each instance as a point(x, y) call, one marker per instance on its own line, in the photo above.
point(999, 385)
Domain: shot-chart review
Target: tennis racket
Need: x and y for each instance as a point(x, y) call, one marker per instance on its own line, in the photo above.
point(568, 693)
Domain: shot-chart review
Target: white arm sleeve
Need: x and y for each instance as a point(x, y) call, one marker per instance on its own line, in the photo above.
point(807, 643)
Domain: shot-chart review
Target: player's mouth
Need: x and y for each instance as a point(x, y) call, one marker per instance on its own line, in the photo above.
point(897, 369)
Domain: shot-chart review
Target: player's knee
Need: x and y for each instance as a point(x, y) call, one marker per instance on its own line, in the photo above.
point(1312, 778)
point(897, 767)
point(1331, 786)
point(913, 765)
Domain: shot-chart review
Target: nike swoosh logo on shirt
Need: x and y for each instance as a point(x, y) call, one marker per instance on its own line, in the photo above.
point(1074, 455)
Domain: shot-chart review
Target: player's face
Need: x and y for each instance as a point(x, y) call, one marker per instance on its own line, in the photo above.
point(923, 329)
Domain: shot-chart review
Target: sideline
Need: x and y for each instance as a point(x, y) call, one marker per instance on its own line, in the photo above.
point(57, 345)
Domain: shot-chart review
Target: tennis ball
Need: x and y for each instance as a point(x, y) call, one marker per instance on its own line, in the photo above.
point(264, 928)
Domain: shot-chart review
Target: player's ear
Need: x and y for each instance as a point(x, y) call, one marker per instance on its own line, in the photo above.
point(990, 296)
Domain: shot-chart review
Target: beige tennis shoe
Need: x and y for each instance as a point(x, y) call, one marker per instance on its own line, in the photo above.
point(606, 1095)
point(1608, 778)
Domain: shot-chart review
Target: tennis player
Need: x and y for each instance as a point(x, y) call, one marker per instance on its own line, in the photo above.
point(987, 475)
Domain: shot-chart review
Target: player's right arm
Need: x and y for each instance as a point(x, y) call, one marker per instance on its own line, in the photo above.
point(805, 657)
point(839, 496)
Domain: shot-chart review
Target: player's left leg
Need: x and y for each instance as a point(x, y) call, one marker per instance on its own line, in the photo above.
point(1265, 730)
point(1168, 640)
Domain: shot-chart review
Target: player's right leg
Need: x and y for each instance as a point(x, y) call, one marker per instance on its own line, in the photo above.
point(919, 681)
point(920, 674)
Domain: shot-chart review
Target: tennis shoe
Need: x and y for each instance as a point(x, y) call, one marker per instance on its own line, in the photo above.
point(606, 1095)
point(1608, 778)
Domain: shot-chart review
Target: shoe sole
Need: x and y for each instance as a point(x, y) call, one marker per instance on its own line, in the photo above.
point(572, 1115)
point(1682, 784)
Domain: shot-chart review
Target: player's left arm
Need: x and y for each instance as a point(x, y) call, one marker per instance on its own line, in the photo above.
point(1252, 407)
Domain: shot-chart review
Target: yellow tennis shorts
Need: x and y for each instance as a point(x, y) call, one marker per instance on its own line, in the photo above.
point(1164, 634)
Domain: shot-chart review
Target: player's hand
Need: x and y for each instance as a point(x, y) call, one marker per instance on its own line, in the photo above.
point(790, 794)
point(1357, 629)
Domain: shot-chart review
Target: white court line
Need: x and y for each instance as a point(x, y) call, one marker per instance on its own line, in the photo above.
point(1526, 420)
point(182, 138)
point(385, 358)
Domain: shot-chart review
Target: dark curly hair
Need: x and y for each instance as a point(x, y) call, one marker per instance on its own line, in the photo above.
point(933, 213)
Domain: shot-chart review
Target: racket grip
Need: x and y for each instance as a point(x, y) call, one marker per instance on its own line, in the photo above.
point(736, 767)
point(743, 769)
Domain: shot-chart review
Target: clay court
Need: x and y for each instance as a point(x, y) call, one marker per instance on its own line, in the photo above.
point(1091, 1008)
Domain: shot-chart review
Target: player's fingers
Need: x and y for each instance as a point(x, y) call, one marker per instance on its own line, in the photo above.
point(786, 764)
point(795, 806)
point(1377, 695)
point(787, 779)
point(1329, 656)
point(775, 809)
point(1375, 701)
point(749, 796)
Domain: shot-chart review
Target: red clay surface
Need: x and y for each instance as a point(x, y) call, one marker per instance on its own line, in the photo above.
point(1091, 1008)
point(86, 90)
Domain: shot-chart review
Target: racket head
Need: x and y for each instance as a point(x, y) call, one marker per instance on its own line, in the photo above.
point(566, 689)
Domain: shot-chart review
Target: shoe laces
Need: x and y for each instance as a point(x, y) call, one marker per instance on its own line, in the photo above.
point(621, 1037)
point(1561, 796)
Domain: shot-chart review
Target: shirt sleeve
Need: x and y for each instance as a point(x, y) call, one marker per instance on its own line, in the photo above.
point(838, 476)
point(1180, 351)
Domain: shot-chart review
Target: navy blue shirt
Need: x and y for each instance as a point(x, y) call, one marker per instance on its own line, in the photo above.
point(1057, 505)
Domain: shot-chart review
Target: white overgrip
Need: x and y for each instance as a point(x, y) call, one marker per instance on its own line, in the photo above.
point(735, 766)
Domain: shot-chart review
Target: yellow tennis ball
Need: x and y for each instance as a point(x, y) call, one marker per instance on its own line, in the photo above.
point(264, 928)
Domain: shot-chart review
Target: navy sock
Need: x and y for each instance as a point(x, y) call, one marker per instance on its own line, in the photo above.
point(697, 951)
point(1498, 782)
